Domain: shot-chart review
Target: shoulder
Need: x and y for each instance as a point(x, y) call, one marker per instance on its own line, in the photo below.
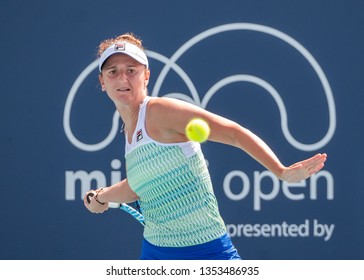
point(171, 107)
point(160, 111)
point(165, 119)
point(157, 104)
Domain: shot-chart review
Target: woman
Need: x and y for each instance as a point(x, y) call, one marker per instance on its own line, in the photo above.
point(166, 171)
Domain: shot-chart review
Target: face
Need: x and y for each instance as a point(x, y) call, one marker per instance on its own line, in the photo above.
point(124, 79)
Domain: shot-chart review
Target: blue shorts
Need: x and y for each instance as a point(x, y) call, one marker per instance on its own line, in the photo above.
point(218, 249)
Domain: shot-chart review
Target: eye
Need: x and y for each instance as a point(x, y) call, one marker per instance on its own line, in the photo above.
point(131, 70)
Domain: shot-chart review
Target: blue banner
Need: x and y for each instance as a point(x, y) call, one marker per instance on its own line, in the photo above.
point(290, 72)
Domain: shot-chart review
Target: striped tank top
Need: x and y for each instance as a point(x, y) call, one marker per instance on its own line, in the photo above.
point(175, 189)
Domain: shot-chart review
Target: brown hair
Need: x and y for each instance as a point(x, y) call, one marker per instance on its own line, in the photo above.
point(128, 37)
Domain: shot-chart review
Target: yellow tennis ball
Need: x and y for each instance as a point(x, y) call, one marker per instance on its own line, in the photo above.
point(197, 130)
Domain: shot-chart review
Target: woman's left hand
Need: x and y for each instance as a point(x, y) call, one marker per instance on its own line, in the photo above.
point(303, 169)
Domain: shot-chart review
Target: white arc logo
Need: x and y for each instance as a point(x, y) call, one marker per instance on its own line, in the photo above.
point(170, 63)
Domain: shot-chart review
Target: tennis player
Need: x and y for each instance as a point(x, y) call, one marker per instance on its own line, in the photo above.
point(166, 171)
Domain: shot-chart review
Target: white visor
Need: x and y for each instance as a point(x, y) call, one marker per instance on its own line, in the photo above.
point(127, 48)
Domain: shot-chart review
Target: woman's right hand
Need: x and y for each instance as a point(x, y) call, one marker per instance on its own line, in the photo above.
point(93, 204)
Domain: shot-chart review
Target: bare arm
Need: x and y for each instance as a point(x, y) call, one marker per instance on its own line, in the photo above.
point(169, 117)
point(119, 192)
point(260, 151)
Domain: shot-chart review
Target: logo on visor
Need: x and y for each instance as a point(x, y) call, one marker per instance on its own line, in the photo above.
point(120, 46)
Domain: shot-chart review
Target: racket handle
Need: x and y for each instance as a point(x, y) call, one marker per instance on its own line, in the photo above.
point(114, 205)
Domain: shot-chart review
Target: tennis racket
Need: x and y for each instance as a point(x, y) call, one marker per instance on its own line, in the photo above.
point(137, 214)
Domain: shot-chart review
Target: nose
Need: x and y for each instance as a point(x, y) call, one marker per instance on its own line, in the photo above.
point(122, 76)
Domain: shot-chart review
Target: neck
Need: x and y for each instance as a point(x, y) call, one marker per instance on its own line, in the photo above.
point(129, 115)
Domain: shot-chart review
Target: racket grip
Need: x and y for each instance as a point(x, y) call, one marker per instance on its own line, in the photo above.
point(114, 205)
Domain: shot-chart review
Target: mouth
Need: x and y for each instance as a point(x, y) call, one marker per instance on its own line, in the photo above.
point(123, 89)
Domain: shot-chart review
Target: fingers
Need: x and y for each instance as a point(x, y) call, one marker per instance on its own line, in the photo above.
point(315, 163)
point(316, 169)
point(304, 169)
point(316, 159)
point(320, 158)
point(85, 198)
point(92, 205)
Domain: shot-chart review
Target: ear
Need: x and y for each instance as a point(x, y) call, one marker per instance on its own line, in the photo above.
point(147, 76)
point(101, 80)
